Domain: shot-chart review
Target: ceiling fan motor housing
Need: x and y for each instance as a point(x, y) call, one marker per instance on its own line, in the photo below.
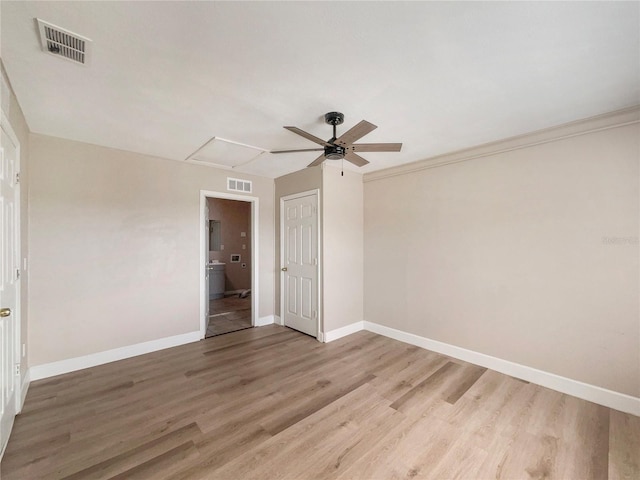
point(334, 152)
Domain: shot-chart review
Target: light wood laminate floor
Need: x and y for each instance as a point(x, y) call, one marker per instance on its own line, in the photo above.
point(271, 403)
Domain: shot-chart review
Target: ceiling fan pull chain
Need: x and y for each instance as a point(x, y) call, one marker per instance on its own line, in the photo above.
point(342, 172)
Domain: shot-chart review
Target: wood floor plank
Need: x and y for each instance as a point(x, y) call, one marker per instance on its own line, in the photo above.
point(96, 411)
point(338, 457)
point(132, 458)
point(270, 460)
point(271, 403)
point(406, 442)
point(471, 374)
point(218, 451)
point(483, 413)
point(429, 384)
point(624, 446)
point(291, 416)
point(407, 373)
point(162, 466)
point(584, 432)
point(459, 460)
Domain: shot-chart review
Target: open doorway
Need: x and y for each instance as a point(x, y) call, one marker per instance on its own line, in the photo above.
point(229, 242)
point(229, 266)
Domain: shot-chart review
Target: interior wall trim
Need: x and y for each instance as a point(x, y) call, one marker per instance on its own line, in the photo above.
point(592, 393)
point(52, 369)
point(24, 388)
point(332, 335)
point(618, 118)
point(585, 391)
point(267, 320)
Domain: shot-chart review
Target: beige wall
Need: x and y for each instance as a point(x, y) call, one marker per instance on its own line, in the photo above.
point(297, 182)
point(235, 218)
point(114, 247)
point(529, 255)
point(342, 253)
point(21, 129)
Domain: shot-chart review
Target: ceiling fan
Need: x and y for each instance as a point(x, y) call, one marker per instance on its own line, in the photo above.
point(342, 147)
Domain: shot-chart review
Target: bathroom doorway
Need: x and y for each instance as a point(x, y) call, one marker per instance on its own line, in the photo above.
point(229, 254)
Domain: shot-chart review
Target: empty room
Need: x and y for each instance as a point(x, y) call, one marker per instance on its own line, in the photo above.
point(319, 240)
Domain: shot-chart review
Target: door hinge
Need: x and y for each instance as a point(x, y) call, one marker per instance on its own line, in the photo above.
point(17, 369)
point(17, 177)
point(17, 274)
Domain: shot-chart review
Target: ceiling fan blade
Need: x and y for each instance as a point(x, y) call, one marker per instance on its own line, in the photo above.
point(355, 133)
point(317, 161)
point(357, 160)
point(308, 136)
point(302, 150)
point(377, 147)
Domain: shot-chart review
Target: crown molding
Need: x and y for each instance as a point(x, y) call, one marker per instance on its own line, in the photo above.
point(618, 118)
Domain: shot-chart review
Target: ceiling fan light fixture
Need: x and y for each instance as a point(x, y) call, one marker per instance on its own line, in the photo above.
point(334, 152)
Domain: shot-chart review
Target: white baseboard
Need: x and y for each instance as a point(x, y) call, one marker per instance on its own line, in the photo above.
point(277, 320)
point(267, 320)
point(228, 293)
point(592, 393)
point(24, 387)
point(332, 335)
point(78, 363)
point(4, 447)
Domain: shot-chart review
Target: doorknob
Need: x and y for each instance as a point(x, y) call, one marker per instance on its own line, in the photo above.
point(284, 269)
point(5, 312)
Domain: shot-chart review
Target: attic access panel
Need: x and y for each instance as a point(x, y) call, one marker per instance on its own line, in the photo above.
point(219, 152)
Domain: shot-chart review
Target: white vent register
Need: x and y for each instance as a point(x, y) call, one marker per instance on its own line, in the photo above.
point(63, 43)
point(237, 185)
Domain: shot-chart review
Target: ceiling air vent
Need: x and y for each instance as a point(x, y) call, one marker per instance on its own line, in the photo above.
point(237, 185)
point(63, 43)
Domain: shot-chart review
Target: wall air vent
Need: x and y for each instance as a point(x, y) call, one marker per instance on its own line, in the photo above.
point(236, 185)
point(63, 43)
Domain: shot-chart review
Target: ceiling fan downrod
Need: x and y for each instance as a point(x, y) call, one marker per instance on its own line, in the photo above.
point(334, 152)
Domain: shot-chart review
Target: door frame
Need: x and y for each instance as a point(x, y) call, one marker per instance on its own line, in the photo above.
point(204, 254)
point(315, 192)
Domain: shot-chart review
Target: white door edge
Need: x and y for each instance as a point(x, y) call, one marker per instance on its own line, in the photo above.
point(8, 129)
point(307, 193)
point(204, 254)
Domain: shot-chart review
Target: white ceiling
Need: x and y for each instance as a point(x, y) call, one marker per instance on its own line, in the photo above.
point(166, 77)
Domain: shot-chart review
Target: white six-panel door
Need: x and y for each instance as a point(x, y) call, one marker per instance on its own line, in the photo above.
point(9, 282)
point(300, 263)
